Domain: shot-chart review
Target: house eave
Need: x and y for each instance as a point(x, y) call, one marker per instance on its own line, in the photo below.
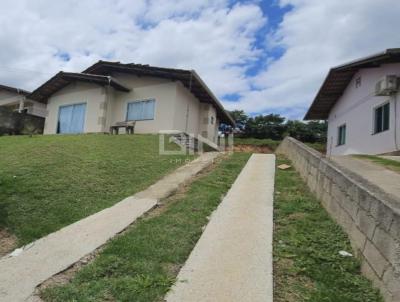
point(189, 78)
point(339, 78)
point(62, 79)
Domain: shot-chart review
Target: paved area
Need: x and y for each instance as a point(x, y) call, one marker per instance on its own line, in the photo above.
point(387, 180)
point(54, 253)
point(232, 261)
point(396, 158)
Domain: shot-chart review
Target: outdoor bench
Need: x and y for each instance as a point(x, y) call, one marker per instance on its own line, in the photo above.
point(129, 127)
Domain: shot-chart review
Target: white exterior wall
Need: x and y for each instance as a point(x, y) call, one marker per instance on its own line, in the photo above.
point(161, 90)
point(208, 129)
point(212, 127)
point(355, 108)
point(187, 111)
point(77, 93)
point(175, 107)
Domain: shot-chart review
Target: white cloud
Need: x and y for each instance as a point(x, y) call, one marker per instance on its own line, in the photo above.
point(318, 35)
point(211, 36)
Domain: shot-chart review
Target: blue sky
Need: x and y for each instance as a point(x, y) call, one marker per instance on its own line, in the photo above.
point(260, 56)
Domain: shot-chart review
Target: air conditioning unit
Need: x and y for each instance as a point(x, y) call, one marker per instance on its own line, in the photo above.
point(386, 86)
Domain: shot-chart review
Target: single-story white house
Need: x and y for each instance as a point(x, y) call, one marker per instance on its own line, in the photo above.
point(109, 92)
point(361, 101)
point(16, 100)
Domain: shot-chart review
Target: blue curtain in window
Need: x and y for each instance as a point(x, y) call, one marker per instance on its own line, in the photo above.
point(143, 110)
point(78, 118)
point(64, 119)
point(72, 118)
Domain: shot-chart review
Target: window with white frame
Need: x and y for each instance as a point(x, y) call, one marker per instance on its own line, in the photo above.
point(141, 110)
point(381, 118)
point(341, 135)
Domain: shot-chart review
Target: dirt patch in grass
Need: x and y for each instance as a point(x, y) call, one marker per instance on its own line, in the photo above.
point(292, 282)
point(65, 276)
point(252, 149)
point(8, 242)
point(296, 216)
point(271, 144)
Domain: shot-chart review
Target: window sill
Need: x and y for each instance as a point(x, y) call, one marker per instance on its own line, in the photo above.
point(149, 119)
point(375, 133)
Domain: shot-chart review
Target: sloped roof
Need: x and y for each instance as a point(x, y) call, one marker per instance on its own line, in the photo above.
point(339, 78)
point(189, 78)
point(13, 89)
point(62, 79)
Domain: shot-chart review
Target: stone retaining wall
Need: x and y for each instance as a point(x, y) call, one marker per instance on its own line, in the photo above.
point(371, 219)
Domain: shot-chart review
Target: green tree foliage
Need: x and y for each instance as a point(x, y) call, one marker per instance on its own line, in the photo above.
point(266, 126)
point(313, 131)
point(273, 126)
point(240, 118)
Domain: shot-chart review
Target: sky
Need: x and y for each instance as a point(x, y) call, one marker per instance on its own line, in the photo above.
point(258, 56)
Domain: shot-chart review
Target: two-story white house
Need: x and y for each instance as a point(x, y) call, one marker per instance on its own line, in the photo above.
point(361, 101)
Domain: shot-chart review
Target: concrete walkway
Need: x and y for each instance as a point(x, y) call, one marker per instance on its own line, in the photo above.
point(54, 253)
point(395, 158)
point(232, 261)
point(385, 179)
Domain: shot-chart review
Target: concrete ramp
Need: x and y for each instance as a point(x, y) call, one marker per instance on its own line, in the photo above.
point(232, 261)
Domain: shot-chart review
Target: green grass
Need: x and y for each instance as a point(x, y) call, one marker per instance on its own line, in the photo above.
point(142, 264)
point(272, 144)
point(387, 163)
point(47, 182)
point(306, 245)
point(320, 147)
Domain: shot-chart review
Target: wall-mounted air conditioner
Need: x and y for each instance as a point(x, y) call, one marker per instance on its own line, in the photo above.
point(386, 86)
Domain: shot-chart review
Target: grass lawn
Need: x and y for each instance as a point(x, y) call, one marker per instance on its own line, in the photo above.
point(320, 147)
point(307, 265)
point(387, 163)
point(47, 182)
point(142, 264)
point(257, 142)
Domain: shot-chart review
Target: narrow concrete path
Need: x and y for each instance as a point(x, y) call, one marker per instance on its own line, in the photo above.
point(232, 261)
point(395, 158)
point(385, 179)
point(54, 253)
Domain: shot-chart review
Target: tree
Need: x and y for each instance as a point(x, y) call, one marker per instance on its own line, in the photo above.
point(319, 129)
point(266, 126)
point(240, 118)
point(313, 131)
point(273, 126)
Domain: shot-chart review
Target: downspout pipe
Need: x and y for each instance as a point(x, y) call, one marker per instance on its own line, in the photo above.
point(395, 122)
point(108, 104)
